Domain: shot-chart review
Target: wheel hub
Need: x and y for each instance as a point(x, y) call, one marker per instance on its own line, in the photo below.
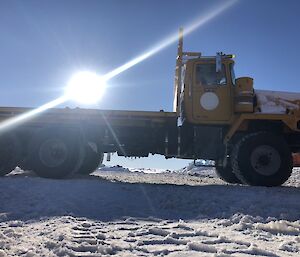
point(53, 153)
point(265, 160)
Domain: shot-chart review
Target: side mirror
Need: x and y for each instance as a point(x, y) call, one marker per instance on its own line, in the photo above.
point(219, 62)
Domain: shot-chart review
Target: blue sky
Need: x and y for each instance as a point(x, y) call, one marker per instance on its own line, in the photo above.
point(44, 42)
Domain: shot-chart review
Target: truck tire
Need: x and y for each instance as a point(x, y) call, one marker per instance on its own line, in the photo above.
point(227, 175)
point(91, 161)
point(56, 153)
point(10, 153)
point(262, 159)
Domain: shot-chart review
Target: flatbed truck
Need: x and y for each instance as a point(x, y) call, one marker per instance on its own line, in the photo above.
point(251, 135)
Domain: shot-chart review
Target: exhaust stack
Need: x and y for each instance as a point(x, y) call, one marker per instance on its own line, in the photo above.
point(178, 73)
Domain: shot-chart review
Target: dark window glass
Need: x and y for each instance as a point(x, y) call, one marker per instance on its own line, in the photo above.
point(232, 73)
point(206, 75)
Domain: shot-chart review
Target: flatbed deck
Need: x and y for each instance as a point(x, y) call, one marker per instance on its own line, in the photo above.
point(91, 116)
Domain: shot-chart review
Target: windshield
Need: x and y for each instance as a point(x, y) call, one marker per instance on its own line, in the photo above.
point(206, 74)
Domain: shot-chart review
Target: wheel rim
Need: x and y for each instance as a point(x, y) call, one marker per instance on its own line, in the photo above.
point(53, 153)
point(265, 160)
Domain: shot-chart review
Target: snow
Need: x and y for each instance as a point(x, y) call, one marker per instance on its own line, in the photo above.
point(277, 102)
point(141, 212)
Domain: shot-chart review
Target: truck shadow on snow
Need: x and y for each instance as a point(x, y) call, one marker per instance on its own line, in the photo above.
point(26, 197)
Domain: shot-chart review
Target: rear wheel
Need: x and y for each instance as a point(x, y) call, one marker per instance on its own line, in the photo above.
point(10, 153)
point(262, 159)
point(91, 162)
point(56, 153)
point(227, 175)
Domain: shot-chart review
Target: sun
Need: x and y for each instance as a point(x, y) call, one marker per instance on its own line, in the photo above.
point(85, 87)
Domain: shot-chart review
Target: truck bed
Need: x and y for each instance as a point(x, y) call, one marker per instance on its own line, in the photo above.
point(90, 116)
point(130, 133)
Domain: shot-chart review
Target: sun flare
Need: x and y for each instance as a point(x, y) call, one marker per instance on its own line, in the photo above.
point(85, 87)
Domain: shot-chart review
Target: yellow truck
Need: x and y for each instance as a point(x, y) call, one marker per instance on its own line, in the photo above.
point(249, 134)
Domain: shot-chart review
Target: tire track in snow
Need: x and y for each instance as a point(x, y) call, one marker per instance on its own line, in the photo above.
point(52, 218)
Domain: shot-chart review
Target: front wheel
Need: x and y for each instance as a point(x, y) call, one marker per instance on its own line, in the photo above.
point(262, 159)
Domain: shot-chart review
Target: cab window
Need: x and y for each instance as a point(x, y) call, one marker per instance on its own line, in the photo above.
point(232, 73)
point(206, 75)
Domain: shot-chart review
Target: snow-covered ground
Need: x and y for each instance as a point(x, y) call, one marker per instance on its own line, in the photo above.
point(134, 212)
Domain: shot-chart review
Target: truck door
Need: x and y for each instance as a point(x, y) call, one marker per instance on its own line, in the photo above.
point(211, 93)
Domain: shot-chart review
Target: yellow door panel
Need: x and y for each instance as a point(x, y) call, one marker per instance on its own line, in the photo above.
point(211, 93)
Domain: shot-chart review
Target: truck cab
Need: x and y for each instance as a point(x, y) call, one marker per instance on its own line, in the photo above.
point(208, 92)
point(249, 134)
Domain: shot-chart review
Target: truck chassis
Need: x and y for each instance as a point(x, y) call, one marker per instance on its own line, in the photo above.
point(216, 117)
